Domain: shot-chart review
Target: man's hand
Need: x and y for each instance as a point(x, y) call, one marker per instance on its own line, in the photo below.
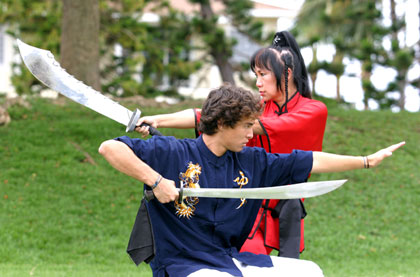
point(376, 158)
point(326, 162)
point(166, 191)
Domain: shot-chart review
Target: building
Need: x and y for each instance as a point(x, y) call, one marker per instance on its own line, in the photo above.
point(7, 56)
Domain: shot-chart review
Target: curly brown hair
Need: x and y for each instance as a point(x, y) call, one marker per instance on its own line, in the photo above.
point(227, 105)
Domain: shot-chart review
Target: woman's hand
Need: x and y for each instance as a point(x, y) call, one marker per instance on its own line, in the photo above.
point(144, 130)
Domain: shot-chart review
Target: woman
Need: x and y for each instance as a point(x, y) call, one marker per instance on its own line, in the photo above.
point(291, 120)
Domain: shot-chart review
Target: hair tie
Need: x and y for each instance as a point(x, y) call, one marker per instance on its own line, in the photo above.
point(279, 40)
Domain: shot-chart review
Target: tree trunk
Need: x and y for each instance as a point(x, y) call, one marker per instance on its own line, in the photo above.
point(219, 56)
point(225, 68)
point(80, 40)
point(402, 74)
point(365, 79)
point(313, 79)
point(338, 63)
point(313, 69)
point(394, 34)
point(402, 83)
point(338, 76)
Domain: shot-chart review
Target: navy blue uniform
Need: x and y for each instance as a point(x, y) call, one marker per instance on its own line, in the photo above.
point(208, 232)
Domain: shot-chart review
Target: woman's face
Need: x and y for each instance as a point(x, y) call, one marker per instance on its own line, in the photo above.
point(267, 85)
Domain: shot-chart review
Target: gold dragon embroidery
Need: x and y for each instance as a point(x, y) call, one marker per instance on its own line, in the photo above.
point(189, 179)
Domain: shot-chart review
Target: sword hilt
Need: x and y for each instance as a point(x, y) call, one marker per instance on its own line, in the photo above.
point(133, 121)
point(149, 195)
point(152, 131)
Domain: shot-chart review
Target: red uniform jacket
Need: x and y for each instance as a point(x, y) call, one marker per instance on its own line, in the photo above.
point(301, 127)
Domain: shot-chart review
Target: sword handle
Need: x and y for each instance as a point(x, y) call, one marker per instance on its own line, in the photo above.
point(149, 195)
point(133, 121)
point(152, 131)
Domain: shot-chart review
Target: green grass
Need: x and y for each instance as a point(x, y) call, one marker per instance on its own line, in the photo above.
point(369, 226)
point(65, 212)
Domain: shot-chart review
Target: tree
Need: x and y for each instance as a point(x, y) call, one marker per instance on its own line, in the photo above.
point(400, 56)
point(356, 31)
point(220, 46)
point(80, 40)
point(367, 45)
point(152, 56)
point(34, 22)
point(136, 57)
point(161, 49)
point(217, 44)
point(149, 51)
point(322, 21)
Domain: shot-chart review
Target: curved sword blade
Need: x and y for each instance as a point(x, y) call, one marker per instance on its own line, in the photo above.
point(295, 191)
point(45, 68)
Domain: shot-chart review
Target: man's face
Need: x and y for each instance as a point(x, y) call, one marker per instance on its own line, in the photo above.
point(235, 139)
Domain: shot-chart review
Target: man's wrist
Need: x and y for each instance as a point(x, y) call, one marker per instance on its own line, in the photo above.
point(159, 178)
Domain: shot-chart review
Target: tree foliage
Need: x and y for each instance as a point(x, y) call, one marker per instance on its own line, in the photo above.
point(357, 31)
point(150, 51)
point(136, 56)
point(153, 56)
point(36, 22)
point(217, 44)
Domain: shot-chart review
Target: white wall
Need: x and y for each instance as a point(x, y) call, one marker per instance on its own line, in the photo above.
point(7, 54)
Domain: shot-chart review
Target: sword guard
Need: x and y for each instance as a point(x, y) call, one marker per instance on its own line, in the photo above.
point(181, 194)
point(133, 121)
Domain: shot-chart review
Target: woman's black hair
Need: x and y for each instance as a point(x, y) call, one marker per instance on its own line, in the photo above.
point(284, 53)
point(285, 40)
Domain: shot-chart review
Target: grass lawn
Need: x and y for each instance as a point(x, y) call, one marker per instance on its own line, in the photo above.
point(65, 212)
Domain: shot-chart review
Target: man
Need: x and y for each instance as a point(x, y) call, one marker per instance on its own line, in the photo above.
point(196, 236)
point(291, 120)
